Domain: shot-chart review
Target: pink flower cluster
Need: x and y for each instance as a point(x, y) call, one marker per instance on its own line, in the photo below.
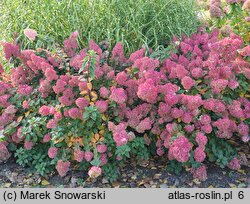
point(62, 167)
point(120, 135)
point(180, 149)
point(94, 172)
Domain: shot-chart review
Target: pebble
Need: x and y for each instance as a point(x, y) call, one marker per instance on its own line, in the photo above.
point(157, 176)
point(105, 181)
point(164, 186)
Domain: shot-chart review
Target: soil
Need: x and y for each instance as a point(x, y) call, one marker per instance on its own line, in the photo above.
point(150, 174)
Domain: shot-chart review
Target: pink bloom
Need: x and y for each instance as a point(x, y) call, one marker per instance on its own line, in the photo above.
point(83, 86)
point(192, 102)
point(102, 106)
point(215, 11)
point(205, 119)
point(60, 86)
point(68, 97)
point(187, 82)
point(218, 85)
point(189, 128)
point(178, 72)
point(200, 173)
point(232, 1)
point(171, 99)
point(120, 135)
point(160, 151)
point(137, 55)
point(118, 95)
point(104, 92)
point(58, 116)
point(51, 74)
point(243, 129)
point(28, 145)
point(145, 124)
point(25, 104)
point(121, 138)
point(79, 155)
point(75, 113)
point(103, 159)
point(70, 44)
point(246, 50)
point(52, 152)
point(30, 33)
point(171, 128)
point(245, 138)
point(101, 148)
point(147, 91)
point(199, 154)
point(146, 64)
point(233, 84)
point(88, 156)
point(47, 138)
point(187, 117)
point(121, 78)
point(246, 5)
point(235, 109)
point(94, 172)
point(185, 48)
point(117, 53)
point(44, 110)
point(44, 88)
point(196, 73)
point(10, 110)
point(111, 75)
point(4, 153)
point(201, 139)
point(81, 103)
point(10, 50)
point(95, 47)
point(24, 90)
point(180, 149)
point(62, 167)
point(223, 124)
point(168, 88)
point(176, 112)
point(52, 110)
point(51, 124)
point(234, 164)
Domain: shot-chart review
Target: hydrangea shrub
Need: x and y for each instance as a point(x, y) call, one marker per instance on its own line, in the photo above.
point(83, 109)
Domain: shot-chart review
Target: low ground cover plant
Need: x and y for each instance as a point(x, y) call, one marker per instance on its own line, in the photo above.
point(86, 110)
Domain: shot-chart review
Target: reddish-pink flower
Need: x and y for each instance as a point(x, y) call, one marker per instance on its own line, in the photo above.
point(180, 149)
point(147, 91)
point(118, 95)
point(101, 148)
point(62, 167)
point(52, 152)
point(200, 173)
point(30, 33)
point(79, 155)
point(234, 164)
point(94, 172)
point(88, 156)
